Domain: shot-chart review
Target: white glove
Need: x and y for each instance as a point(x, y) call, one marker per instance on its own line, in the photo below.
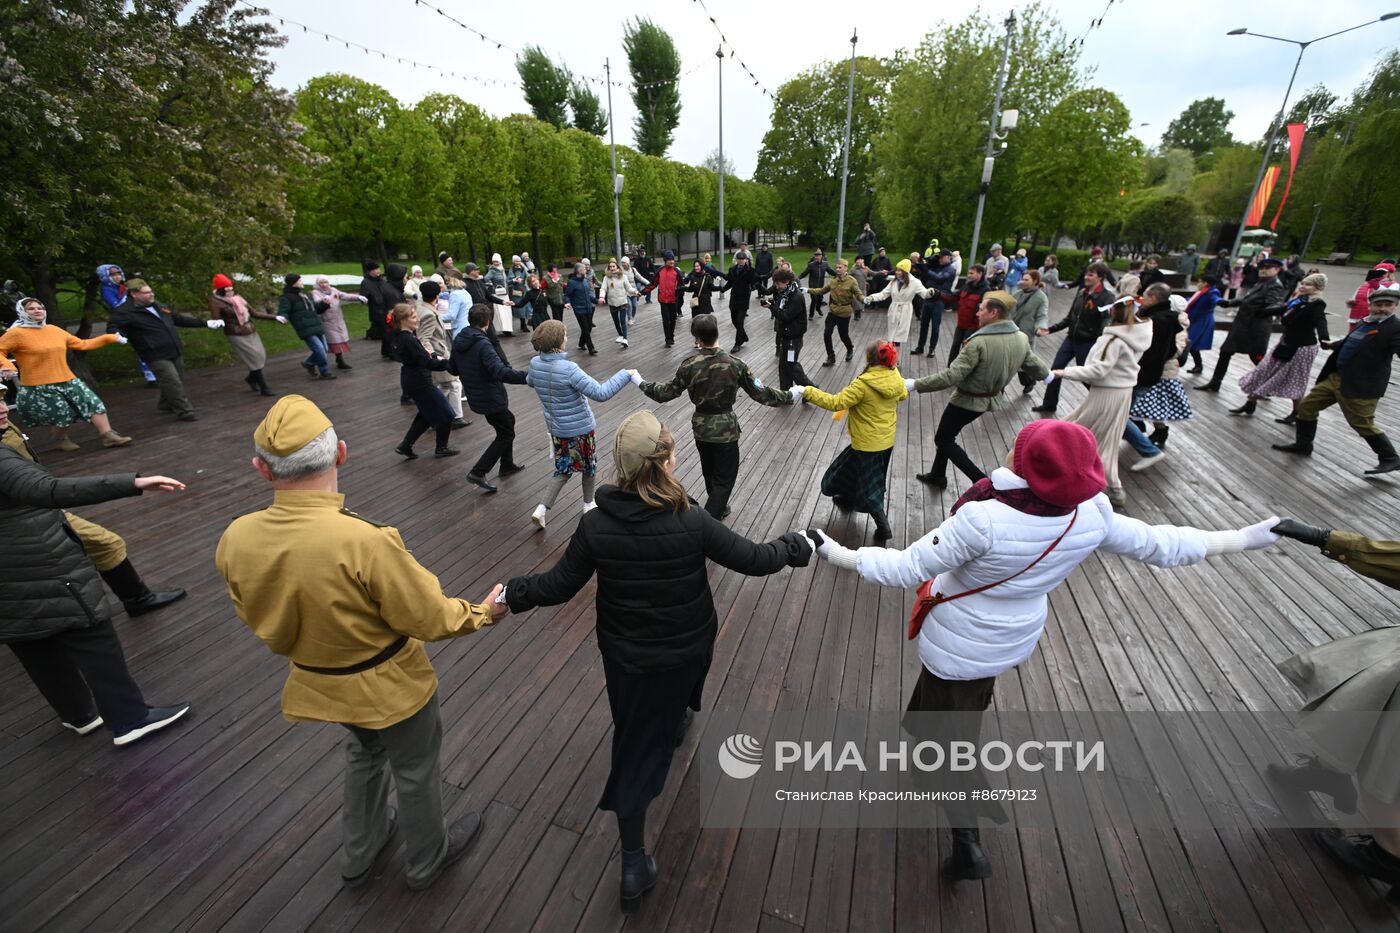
point(281, 319)
point(636, 379)
point(121, 338)
point(215, 325)
point(909, 385)
point(1260, 534)
point(797, 393)
point(829, 550)
point(1050, 378)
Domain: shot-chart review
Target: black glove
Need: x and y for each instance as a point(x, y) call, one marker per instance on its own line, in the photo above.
point(814, 537)
point(799, 548)
point(1308, 534)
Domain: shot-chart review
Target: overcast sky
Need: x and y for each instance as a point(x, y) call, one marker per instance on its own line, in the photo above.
point(1156, 57)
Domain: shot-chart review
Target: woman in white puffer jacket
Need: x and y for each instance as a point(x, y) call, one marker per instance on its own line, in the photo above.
point(1019, 532)
point(617, 290)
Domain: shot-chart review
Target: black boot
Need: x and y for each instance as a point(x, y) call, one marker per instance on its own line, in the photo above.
point(252, 379)
point(638, 875)
point(850, 352)
point(1246, 409)
point(1312, 775)
point(967, 862)
point(1290, 418)
point(1363, 855)
point(1159, 436)
point(882, 527)
point(1390, 460)
point(340, 362)
point(1222, 366)
point(260, 384)
point(933, 479)
point(830, 360)
point(136, 596)
point(1303, 444)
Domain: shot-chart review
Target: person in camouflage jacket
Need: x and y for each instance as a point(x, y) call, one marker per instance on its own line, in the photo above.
point(713, 378)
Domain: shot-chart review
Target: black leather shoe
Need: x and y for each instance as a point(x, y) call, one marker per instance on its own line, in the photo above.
point(446, 452)
point(1362, 855)
point(358, 881)
point(1312, 775)
point(153, 600)
point(459, 838)
point(917, 351)
point(1044, 409)
point(849, 355)
point(480, 481)
point(459, 423)
point(830, 361)
point(508, 469)
point(939, 482)
point(1209, 387)
point(406, 452)
point(967, 862)
point(638, 875)
point(187, 416)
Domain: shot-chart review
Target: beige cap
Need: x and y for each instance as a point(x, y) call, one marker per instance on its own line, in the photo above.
point(635, 440)
point(290, 425)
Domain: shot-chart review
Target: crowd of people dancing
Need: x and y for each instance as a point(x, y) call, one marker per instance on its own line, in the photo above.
point(1017, 531)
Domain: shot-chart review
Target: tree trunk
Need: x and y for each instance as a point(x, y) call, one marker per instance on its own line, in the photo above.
point(535, 239)
point(432, 249)
point(383, 251)
point(1055, 240)
point(471, 248)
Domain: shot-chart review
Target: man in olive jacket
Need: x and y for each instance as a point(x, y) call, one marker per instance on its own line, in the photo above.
point(990, 358)
point(54, 613)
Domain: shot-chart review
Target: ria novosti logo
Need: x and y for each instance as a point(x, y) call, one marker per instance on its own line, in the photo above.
point(741, 756)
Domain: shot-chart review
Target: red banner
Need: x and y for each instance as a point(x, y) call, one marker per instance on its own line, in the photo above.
point(1295, 145)
point(1261, 197)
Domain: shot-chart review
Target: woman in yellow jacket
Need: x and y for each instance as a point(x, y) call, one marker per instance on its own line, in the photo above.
point(855, 481)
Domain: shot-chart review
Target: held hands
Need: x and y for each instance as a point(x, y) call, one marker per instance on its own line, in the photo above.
point(281, 319)
point(635, 377)
point(496, 599)
point(214, 325)
point(1261, 534)
point(1042, 331)
point(797, 392)
point(163, 483)
point(1054, 374)
point(909, 385)
point(121, 338)
point(1308, 534)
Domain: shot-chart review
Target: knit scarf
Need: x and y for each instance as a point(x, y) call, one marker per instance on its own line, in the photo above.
point(1022, 500)
point(240, 308)
point(787, 294)
point(553, 276)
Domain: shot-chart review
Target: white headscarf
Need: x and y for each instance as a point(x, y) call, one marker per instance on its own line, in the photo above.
point(22, 317)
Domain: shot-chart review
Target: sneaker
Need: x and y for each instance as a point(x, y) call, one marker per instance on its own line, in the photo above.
point(157, 718)
point(538, 516)
point(459, 423)
point(589, 506)
point(459, 838)
point(83, 729)
point(619, 339)
point(328, 375)
point(624, 343)
point(1147, 462)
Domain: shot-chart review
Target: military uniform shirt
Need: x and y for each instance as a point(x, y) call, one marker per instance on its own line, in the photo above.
point(713, 378)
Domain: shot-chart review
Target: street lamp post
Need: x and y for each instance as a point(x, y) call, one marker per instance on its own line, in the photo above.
point(846, 149)
point(719, 53)
point(1273, 125)
point(612, 146)
point(992, 137)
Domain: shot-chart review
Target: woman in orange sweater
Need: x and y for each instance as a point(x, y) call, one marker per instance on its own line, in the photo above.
point(49, 393)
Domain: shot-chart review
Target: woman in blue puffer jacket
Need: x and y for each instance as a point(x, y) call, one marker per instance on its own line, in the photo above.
point(564, 390)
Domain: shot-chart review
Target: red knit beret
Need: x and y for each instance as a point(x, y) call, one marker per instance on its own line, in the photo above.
point(1059, 461)
point(222, 281)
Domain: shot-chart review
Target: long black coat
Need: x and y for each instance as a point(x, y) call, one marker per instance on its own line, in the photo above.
point(654, 606)
point(47, 582)
point(152, 336)
point(1254, 319)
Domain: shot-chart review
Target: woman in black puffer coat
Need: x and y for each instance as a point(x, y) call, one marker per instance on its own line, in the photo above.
point(54, 613)
point(656, 616)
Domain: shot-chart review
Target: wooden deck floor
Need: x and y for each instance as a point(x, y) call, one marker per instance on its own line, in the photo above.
point(231, 822)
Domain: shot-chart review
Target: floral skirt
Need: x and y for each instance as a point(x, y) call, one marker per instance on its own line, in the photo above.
point(1164, 400)
point(1274, 378)
point(574, 455)
point(58, 404)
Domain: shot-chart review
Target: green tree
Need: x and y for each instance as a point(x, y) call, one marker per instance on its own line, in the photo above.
point(587, 108)
point(928, 153)
point(1223, 191)
point(656, 69)
point(593, 201)
point(1160, 223)
point(801, 152)
point(1204, 125)
point(548, 172)
point(546, 86)
point(1084, 138)
point(377, 163)
point(484, 196)
point(1173, 170)
point(111, 153)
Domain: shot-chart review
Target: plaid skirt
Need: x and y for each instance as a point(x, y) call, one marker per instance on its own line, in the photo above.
point(1164, 400)
point(1274, 378)
point(58, 404)
point(574, 455)
point(859, 477)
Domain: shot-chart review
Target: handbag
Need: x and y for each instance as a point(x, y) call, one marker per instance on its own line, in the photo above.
point(927, 598)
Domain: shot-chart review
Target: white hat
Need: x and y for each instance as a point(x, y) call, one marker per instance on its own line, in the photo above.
point(515, 258)
point(495, 258)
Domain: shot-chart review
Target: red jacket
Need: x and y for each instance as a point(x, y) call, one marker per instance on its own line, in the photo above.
point(668, 280)
point(969, 300)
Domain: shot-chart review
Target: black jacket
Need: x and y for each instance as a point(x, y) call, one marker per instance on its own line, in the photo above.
point(1366, 372)
point(1254, 321)
point(740, 283)
point(477, 359)
point(47, 582)
point(645, 266)
point(1086, 326)
point(789, 322)
point(1150, 277)
point(701, 285)
point(881, 264)
point(1220, 269)
point(654, 606)
point(1165, 326)
point(418, 364)
point(152, 335)
point(763, 263)
point(1304, 324)
point(378, 300)
point(816, 272)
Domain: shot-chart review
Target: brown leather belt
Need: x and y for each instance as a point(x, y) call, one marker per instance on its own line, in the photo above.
point(375, 661)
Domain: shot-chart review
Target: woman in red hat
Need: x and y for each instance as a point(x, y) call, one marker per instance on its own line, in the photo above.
point(1006, 544)
point(227, 305)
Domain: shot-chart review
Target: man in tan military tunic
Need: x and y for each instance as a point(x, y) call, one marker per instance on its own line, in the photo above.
point(345, 601)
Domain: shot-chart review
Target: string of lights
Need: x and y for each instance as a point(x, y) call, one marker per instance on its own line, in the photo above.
point(733, 55)
point(476, 32)
point(1093, 24)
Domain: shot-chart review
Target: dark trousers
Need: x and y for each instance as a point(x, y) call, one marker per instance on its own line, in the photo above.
point(670, 310)
point(719, 465)
point(1069, 350)
point(791, 373)
point(945, 441)
point(585, 330)
point(170, 379)
point(410, 750)
point(841, 325)
point(420, 426)
point(500, 449)
point(736, 318)
point(82, 672)
point(815, 304)
point(959, 335)
point(970, 699)
point(619, 319)
point(929, 320)
point(556, 312)
point(1222, 365)
point(1195, 356)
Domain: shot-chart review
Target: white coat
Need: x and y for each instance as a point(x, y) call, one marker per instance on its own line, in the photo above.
point(988, 633)
point(901, 304)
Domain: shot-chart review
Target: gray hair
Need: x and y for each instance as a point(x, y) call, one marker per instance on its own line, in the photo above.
point(317, 456)
point(1159, 291)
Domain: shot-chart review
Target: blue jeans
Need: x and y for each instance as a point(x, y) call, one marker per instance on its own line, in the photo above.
point(632, 308)
point(317, 343)
point(1139, 441)
point(1069, 350)
point(619, 316)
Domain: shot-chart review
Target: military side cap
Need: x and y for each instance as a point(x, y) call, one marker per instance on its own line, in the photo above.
point(635, 440)
point(1003, 297)
point(292, 423)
